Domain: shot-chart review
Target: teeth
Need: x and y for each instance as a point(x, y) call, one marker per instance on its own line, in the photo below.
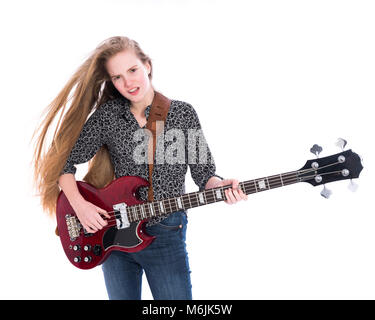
point(132, 90)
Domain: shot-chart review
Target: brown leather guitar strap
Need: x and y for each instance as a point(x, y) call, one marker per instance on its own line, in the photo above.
point(158, 112)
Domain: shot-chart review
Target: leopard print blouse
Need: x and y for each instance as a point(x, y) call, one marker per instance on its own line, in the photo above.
point(113, 125)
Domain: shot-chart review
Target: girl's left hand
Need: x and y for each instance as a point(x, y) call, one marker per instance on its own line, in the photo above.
point(233, 194)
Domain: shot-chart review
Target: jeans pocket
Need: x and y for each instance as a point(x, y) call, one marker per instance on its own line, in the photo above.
point(168, 227)
point(175, 222)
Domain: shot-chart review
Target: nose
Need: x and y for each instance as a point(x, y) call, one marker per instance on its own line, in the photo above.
point(126, 83)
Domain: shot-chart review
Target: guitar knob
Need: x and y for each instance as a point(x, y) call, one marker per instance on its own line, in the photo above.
point(87, 247)
point(87, 259)
point(76, 247)
point(316, 149)
point(341, 143)
point(97, 250)
point(77, 259)
point(326, 193)
point(352, 186)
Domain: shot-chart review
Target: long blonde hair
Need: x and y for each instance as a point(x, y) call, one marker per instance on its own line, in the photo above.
point(88, 88)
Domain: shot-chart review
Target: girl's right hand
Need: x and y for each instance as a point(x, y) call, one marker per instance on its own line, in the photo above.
point(89, 215)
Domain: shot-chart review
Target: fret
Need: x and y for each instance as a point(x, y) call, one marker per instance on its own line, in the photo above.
point(243, 188)
point(207, 197)
point(281, 179)
point(213, 195)
point(189, 200)
point(185, 203)
point(127, 213)
point(196, 197)
point(143, 213)
point(139, 211)
point(156, 208)
point(277, 182)
point(256, 189)
point(268, 183)
point(173, 204)
point(134, 212)
point(170, 209)
point(170, 206)
point(151, 209)
point(196, 201)
point(148, 210)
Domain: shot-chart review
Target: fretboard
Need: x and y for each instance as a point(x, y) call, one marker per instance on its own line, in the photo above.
point(208, 196)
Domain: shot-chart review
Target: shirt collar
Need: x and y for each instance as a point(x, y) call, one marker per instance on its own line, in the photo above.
point(126, 110)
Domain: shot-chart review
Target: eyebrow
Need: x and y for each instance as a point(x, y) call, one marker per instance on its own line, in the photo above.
point(115, 75)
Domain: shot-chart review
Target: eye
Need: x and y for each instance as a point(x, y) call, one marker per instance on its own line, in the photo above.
point(115, 78)
point(133, 70)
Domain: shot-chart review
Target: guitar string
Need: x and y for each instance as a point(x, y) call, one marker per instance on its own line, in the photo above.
point(285, 179)
point(293, 176)
point(301, 179)
point(113, 223)
point(248, 186)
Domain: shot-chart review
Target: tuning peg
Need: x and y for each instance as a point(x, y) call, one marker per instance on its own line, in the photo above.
point(326, 193)
point(352, 186)
point(341, 143)
point(316, 149)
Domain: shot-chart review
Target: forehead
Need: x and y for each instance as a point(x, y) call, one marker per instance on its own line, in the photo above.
point(122, 61)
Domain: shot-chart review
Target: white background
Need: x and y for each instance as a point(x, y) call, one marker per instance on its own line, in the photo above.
point(268, 80)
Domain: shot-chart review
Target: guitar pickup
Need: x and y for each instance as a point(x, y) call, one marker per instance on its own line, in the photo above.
point(121, 216)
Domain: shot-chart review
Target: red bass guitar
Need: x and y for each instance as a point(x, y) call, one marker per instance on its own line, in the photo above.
point(126, 227)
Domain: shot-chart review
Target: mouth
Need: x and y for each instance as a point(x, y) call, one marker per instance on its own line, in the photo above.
point(133, 91)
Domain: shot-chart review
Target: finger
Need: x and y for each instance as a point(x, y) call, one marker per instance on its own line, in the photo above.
point(226, 197)
point(235, 183)
point(230, 196)
point(101, 221)
point(236, 195)
point(90, 229)
point(103, 212)
point(93, 223)
point(243, 195)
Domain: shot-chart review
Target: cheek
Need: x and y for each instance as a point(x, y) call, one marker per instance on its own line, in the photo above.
point(144, 80)
point(117, 85)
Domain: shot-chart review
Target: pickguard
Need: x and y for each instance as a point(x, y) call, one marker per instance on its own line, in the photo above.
point(126, 238)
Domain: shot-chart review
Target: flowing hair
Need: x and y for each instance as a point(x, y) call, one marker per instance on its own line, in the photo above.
point(88, 88)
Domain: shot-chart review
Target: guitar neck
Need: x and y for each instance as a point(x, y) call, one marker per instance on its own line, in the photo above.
point(201, 198)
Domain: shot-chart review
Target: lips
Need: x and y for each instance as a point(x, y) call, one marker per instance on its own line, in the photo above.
point(133, 91)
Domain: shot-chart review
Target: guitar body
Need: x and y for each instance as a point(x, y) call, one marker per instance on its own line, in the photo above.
point(87, 250)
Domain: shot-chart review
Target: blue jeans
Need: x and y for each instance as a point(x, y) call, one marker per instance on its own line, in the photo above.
point(164, 261)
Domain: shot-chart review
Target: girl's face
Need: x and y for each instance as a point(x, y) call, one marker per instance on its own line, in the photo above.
point(129, 75)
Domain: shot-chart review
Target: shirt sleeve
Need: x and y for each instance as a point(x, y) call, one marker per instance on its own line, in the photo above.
point(88, 143)
point(200, 159)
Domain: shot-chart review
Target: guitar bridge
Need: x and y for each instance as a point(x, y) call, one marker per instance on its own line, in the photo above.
point(73, 225)
point(121, 216)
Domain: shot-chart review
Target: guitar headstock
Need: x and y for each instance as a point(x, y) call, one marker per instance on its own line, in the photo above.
point(340, 166)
